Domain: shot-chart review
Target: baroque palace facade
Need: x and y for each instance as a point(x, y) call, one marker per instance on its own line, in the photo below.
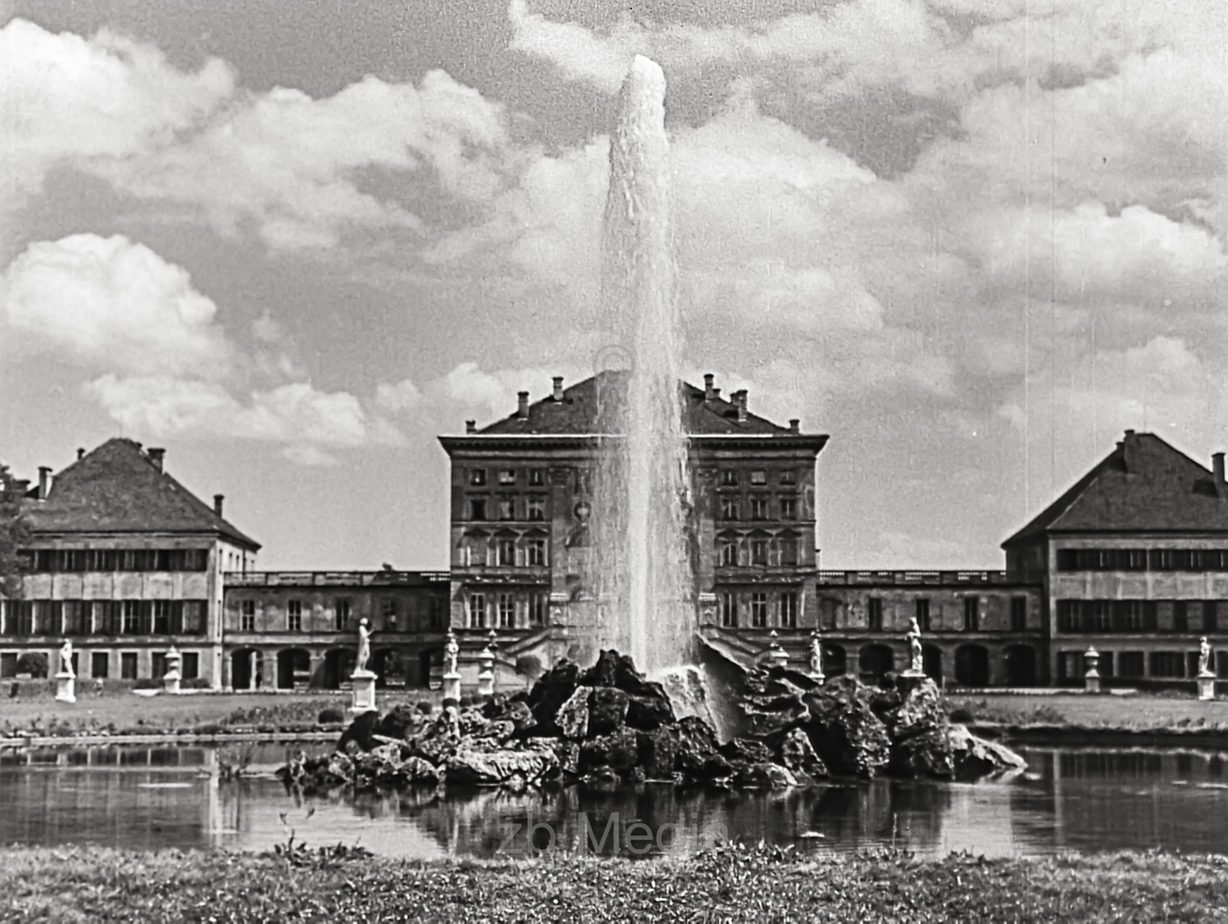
point(123, 559)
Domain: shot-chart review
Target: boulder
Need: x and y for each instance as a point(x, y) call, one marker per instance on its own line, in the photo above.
point(974, 757)
point(658, 752)
point(359, 731)
point(550, 691)
point(764, 775)
point(746, 750)
point(618, 750)
point(607, 710)
point(472, 767)
point(521, 717)
point(766, 714)
point(650, 710)
point(604, 671)
point(919, 730)
point(844, 731)
point(571, 720)
point(401, 721)
point(797, 754)
point(696, 743)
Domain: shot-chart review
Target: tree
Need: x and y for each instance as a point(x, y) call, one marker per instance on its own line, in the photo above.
point(14, 535)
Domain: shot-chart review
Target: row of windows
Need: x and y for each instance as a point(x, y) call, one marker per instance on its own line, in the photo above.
point(758, 507)
point(390, 616)
point(505, 551)
point(1136, 615)
point(76, 561)
point(762, 550)
point(508, 477)
point(27, 618)
point(786, 604)
point(1134, 665)
point(972, 613)
point(1142, 560)
point(732, 477)
point(533, 508)
point(536, 477)
point(100, 664)
point(505, 610)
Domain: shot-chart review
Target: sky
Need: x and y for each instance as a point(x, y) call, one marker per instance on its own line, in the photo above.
point(972, 240)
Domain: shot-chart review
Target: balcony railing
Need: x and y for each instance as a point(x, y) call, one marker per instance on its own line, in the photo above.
point(942, 578)
point(334, 578)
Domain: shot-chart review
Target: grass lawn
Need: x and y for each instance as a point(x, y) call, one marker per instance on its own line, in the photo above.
point(1141, 711)
point(731, 884)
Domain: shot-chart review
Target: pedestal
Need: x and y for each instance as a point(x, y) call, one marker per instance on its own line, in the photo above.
point(65, 687)
point(170, 682)
point(1206, 686)
point(1091, 682)
point(486, 683)
point(364, 691)
point(452, 689)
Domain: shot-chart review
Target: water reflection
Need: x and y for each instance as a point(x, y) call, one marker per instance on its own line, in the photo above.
point(173, 797)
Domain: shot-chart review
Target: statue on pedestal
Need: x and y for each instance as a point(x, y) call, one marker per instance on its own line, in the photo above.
point(916, 660)
point(66, 659)
point(364, 645)
point(816, 653)
point(1204, 657)
point(452, 652)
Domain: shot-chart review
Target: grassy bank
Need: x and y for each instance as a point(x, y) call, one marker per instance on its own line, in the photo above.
point(744, 884)
point(1141, 712)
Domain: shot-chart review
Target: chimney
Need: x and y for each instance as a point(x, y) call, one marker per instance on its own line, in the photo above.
point(709, 392)
point(1217, 466)
point(558, 388)
point(80, 453)
point(471, 426)
point(795, 425)
point(716, 394)
point(44, 481)
point(20, 486)
point(217, 503)
point(522, 404)
point(739, 398)
point(156, 456)
point(1129, 451)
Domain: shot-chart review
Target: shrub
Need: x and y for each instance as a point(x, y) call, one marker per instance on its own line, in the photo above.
point(33, 663)
point(529, 666)
point(962, 715)
point(425, 706)
point(196, 683)
point(147, 683)
point(331, 715)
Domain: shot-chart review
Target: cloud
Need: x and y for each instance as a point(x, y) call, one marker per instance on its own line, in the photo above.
point(110, 303)
point(399, 397)
point(90, 102)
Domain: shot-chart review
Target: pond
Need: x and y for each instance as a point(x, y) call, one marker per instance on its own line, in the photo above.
point(1084, 799)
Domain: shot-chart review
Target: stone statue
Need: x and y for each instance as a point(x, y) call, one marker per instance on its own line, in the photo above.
point(66, 659)
point(917, 663)
point(816, 652)
point(453, 652)
point(364, 645)
point(1204, 656)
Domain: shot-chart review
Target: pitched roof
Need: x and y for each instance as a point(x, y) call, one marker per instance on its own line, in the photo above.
point(1144, 485)
point(118, 488)
point(579, 412)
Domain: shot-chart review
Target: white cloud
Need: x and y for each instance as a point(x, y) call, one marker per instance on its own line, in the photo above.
point(399, 397)
point(111, 304)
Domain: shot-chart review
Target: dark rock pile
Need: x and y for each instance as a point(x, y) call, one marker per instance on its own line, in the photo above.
point(609, 725)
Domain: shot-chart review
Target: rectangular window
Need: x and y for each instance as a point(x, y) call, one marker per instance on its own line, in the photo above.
point(507, 476)
point(788, 609)
point(294, 615)
point(477, 611)
point(8, 664)
point(132, 617)
point(537, 610)
point(507, 509)
point(972, 614)
point(536, 551)
point(477, 476)
point(193, 617)
point(1101, 616)
point(758, 476)
point(157, 664)
point(1019, 614)
point(874, 614)
point(438, 612)
point(161, 617)
point(921, 609)
point(507, 611)
point(1181, 616)
point(788, 551)
point(536, 509)
point(729, 553)
point(189, 668)
point(100, 665)
point(505, 551)
point(759, 610)
point(537, 477)
point(729, 609)
point(758, 508)
point(388, 614)
point(758, 551)
point(477, 508)
point(341, 614)
point(1130, 664)
point(1167, 664)
point(1070, 666)
point(729, 477)
point(247, 616)
point(788, 476)
point(75, 617)
point(729, 508)
point(127, 665)
point(788, 508)
point(1210, 616)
